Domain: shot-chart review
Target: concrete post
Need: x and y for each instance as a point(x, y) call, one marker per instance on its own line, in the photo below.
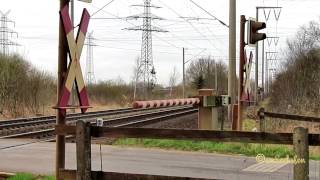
point(208, 116)
point(232, 77)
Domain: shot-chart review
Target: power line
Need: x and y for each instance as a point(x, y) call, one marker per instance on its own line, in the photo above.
point(101, 8)
point(177, 37)
point(207, 26)
point(190, 25)
point(126, 20)
point(221, 22)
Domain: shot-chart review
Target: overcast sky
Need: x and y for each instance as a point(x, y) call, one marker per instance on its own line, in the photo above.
point(36, 21)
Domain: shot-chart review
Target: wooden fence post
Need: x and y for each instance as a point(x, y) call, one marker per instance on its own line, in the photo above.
point(301, 154)
point(83, 143)
point(261, 120)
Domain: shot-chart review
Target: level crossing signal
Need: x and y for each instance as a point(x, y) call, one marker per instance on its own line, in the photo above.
point(253, 34)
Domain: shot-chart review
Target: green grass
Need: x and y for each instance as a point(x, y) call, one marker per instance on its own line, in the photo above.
point(279, 151)
point(249, 124)
point(29, 176)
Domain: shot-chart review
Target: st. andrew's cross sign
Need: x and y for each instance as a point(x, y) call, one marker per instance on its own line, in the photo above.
point(74, 73)
point(246, 82)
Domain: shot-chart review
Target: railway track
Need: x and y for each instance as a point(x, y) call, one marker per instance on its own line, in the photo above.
point(129, 120)
point(15, 126)
point(45, 119)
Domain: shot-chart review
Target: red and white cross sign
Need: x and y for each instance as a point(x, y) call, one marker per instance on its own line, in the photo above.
point(246, 81)
point(74, 73)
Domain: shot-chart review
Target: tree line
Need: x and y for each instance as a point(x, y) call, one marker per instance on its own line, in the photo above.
point(26, 90)
point(296, 87)
point(23, 88)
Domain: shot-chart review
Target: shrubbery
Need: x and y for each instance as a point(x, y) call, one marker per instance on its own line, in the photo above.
point(24, 89)
point(296, 88)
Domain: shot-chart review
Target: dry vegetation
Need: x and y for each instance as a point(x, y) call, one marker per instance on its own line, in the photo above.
point(296, 88)
point(23, 89)
point(27, 91)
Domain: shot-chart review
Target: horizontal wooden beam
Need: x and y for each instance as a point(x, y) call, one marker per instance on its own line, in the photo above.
point(207, 135)
point(180, 134)
point(98, 175)
point(292, 117)
point(65, 130)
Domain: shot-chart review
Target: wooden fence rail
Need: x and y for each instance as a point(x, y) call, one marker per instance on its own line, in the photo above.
point(262, 114)
point(99, 175)
point(211, 135)
point(294, 117)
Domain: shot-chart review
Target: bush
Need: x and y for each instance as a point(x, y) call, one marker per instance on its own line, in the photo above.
point(23, 89)
point(296, 88)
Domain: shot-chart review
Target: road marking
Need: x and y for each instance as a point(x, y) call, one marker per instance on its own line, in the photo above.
point(265, 167)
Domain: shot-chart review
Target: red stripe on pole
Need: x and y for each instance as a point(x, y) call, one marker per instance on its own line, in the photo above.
point(65, 97)
point(64, 12)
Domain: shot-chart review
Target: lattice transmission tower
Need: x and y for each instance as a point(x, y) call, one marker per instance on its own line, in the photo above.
point(89, 76)
point(146, 74)
point(5, 31)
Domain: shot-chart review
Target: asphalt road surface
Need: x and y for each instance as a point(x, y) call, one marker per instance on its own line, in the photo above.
point(40, 158)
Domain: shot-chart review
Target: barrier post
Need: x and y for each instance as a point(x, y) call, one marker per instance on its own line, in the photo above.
point(83, 144)
point(301, 154)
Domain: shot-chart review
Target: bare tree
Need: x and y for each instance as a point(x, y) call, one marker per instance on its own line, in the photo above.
point(173, 79)
point(204, 72)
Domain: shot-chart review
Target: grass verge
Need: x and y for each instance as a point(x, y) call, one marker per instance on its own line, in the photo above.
point(29, 176)
point(278, 151)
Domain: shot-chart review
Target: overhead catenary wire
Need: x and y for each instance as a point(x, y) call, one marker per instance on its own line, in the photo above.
point(100, 9)
point(196, 29)
point(171, 44)
point(224, 58)
point(221, 22)
point(222, 43)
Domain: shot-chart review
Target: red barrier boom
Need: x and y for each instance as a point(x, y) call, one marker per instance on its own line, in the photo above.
point(166, 103)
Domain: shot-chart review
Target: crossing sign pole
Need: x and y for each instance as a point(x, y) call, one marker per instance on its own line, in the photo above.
point(237, 123)
point(61, 114)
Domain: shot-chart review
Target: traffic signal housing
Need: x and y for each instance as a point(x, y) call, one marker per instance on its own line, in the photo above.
point(253, 34)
